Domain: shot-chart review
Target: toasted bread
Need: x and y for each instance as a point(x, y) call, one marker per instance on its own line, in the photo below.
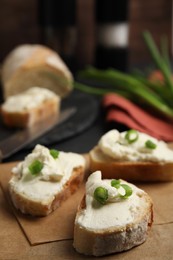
point(128, 170)
point(30, 107)
point(114, 227)
point(40, 194)
point(145, 170)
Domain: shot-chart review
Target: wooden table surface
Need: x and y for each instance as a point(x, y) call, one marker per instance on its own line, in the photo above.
point(159, 245)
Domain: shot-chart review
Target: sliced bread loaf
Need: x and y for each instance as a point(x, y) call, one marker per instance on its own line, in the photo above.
point(35, 65)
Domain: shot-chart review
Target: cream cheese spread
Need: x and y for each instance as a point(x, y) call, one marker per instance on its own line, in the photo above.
point(28, 99)
point(115, 145)
point(115, 213)
point(50, 180)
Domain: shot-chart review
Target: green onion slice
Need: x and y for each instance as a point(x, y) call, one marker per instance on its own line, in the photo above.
point(131, 136)
point(35, 167)
point(54, 153)
point(101, 194)
point(128, 191)
point(115, 183)
point(149, 144)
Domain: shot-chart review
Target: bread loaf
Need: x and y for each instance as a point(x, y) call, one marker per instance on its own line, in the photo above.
point(45, 179)
point(30, 107)
point(116, 157)
point(35, 65)
point(116, 223)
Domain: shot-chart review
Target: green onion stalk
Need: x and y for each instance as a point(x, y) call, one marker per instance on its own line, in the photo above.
point(132, 86)
point(159, 60)
point(135, 87)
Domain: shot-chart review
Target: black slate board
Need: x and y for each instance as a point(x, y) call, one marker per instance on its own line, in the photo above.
point(87, 111)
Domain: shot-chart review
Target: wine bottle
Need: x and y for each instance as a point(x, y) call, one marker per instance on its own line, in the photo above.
point(112, 34)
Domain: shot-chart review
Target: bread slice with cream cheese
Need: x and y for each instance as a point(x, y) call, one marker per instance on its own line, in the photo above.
point(30, 107)
point(35, 65)
point(144, 159)
point(112, 220)
point(45, 179)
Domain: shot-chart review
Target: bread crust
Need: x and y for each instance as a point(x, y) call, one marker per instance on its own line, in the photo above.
point(130, 171)
point(35, 208)
point(28, 65)
point(114, 240)
point(28, 117)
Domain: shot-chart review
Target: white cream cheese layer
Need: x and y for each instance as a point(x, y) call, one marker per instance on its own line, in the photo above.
point(54, 174)
point(28, 99)
point(114, 144)
point(115, 213)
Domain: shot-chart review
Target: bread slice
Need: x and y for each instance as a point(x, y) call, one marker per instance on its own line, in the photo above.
point(130, 170)
point(35, 65)
point(40, 194)
point(29, 107)
point(149, 169)
point(115, 226)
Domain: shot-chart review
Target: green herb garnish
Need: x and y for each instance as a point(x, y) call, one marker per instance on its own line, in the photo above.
point(131, 136)
point(54, 153)
point(115, 183)
point(149, 144)
point(128, 191)
point(101, 194)
point(35, 167)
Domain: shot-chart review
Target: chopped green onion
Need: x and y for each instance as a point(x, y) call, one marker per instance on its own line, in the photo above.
point(101, 194)
point(115, 183)
point(131, 136)
point(35, 167)
point(149, 144)
point(54, 153)
point(128, 191)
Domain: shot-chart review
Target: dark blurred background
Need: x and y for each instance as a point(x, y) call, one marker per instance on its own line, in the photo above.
point(76, 29)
